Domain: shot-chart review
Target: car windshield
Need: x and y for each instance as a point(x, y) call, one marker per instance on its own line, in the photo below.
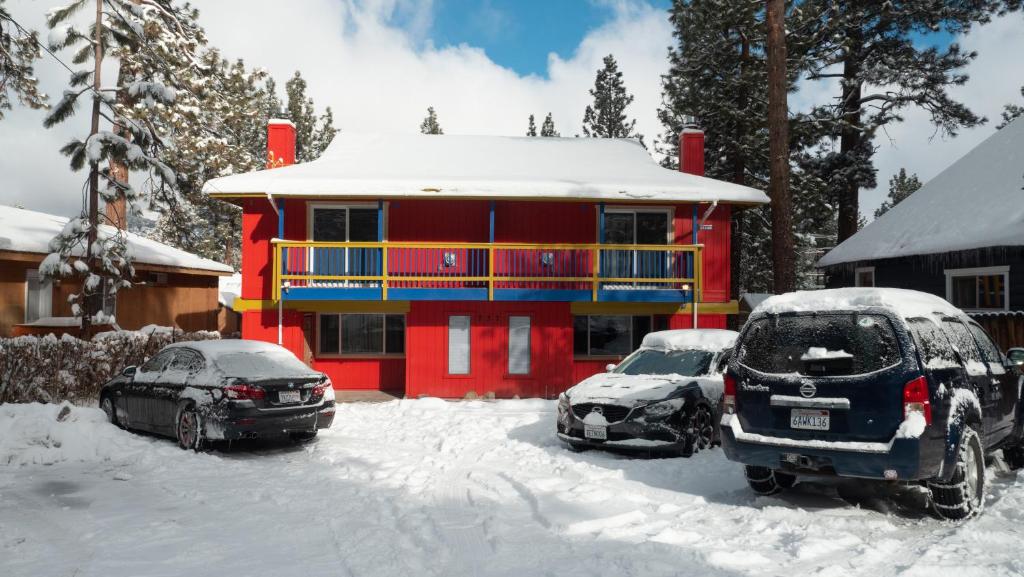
point(656, 362)
point(819, 344)
point(263, 364)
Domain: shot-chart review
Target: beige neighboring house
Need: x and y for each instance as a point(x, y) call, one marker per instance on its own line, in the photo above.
point(172, 287)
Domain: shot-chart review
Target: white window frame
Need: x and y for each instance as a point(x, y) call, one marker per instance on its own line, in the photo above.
point(1004, 270)
point(312, 206)
point(44, 307)
point(469, 345)
point(529, 346)
point(862, 269)
point(669, 212)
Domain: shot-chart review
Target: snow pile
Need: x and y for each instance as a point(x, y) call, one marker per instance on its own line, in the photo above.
point(975, 203)
point(912, 426)
point(428, 487)
point(822, 353)
point(906, 303)
point(710, 340)
point(29, 231)
point(418, 165)
point(229, 288)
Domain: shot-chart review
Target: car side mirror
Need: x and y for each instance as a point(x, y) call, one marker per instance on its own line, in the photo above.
point(129, 371)
point(610, 367)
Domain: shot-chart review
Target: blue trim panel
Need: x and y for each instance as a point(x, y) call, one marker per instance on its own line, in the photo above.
point(492, 222)
point(543, 295)
point(437, 294)
point(644, 296)
point(280, 219)
point(600, 223)
point(332, 294)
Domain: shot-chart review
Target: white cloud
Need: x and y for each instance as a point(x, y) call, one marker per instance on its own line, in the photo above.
point(373, 63)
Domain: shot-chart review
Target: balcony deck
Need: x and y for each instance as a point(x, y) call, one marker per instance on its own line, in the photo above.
point(380, 271)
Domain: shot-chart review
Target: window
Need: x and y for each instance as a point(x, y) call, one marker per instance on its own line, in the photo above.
point(963, 342)
point(603, 336)
point(361, 334)
point(933, 344)
point(518, 345)
point(38, 296)
point(623, 226)
point(979, 288)
point(989, 351)
point(458, 345)
point(654, 362)
point(157, 363)
point(864, 276)
point(186, 360)
point(343, 224)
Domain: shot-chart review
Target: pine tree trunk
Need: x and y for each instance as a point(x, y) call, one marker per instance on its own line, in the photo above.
point(784, 267)
point(851, 136)
point(87, 302)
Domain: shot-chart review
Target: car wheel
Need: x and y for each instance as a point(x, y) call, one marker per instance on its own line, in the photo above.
point(964, 495)
point(303, 436)
point(700, 431)
point(107, 405)
point(765, 481)
point(188, 429)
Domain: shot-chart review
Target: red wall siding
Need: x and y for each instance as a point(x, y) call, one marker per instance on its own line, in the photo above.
point(295, 219)
point(262, 326)
point(380, 374)
point(547, 222)
point(439, 221)
point(427, 349)
point(716, 247)
point(259, 225)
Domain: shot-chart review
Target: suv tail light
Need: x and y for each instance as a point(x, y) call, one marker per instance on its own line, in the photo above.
point(915, 399)
point(244, 392)
point(729, 402)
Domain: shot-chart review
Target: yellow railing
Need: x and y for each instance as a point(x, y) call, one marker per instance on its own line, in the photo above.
point(524, 266)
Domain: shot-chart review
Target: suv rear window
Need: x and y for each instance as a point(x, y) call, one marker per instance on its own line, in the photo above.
point(820, 345)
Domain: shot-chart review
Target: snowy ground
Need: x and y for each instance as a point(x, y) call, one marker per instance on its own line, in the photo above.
point(433, 488)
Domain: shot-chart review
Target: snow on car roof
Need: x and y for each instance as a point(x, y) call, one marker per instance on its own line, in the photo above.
point(974, 203)
point(712, 340)
point(906, 303)
point(453, 166)
point(30, 231)
point(215, 347)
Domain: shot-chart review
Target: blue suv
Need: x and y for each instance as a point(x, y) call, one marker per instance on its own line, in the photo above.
point(870, 383)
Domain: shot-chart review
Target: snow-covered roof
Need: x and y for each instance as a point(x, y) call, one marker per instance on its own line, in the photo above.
point(712, 340)
point(976, 202)
point(905, 303)
point(29, 231)
point(420, 165)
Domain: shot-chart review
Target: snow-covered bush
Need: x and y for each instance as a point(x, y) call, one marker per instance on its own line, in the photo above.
point(52, 369)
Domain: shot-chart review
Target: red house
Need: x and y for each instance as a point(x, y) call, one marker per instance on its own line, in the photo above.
point(440, 265)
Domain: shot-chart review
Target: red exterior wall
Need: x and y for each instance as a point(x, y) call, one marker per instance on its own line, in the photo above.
point(547, 222)
point(262, 326)
point(439, 221)
point(374, 374)
point(259, 225)
point(716, 243)
point(427, 349)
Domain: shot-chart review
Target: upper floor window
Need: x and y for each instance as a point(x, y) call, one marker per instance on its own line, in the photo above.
point(628, 226)
point(979, 288)
point(864, 276)
point(343, 223)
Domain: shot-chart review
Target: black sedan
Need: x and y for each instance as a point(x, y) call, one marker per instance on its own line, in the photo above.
point(220, 390)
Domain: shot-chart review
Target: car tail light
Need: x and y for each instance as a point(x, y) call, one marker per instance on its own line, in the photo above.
point(729, 402)
point(244, 392)
point(915, 399)
point(318, 391)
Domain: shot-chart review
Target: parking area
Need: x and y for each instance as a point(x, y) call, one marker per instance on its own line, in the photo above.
point(428, 487)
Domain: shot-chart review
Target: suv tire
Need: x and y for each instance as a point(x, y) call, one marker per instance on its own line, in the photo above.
point(964, 495)
point(765, 481)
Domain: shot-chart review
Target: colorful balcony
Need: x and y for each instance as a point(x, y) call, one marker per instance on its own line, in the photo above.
point(376, 271)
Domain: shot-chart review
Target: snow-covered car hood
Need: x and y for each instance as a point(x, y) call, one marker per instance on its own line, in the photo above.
point(632, 390)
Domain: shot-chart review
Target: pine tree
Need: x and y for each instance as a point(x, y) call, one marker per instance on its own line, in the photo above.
point(875, 43)
point(1011, 112)
point(548, 128)
point(312, 135)
point(143, 38)
point(19, 49)
point(430, 124)
point(783, 256)
point(531, 128)
point(606, 117)
point(900, 187)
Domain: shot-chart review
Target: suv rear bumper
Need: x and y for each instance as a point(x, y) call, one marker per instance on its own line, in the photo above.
point(898, 459)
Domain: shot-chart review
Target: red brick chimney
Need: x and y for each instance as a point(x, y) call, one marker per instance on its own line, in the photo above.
point(691, 151)
point(280, 143)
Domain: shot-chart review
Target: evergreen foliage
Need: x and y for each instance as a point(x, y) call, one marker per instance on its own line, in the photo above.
point(1011, 112)
point(430, 124)
point(19, 49)
point(548, 128)
point(531, 128)
point(900, 187)
point(312, 135)
point(606, 117)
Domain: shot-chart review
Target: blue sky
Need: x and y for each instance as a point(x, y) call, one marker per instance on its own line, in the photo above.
point(519, 34)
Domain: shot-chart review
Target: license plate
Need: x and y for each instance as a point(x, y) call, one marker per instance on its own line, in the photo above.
point(595, 432)
point(810, 419)
point(289, 397)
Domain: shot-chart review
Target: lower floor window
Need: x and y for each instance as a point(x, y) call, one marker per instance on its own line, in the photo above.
point(978, 289)
point(458, 345)
point(608, 335)
point(356, 334)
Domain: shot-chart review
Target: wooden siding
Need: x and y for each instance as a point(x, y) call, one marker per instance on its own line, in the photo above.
point(12, 293)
